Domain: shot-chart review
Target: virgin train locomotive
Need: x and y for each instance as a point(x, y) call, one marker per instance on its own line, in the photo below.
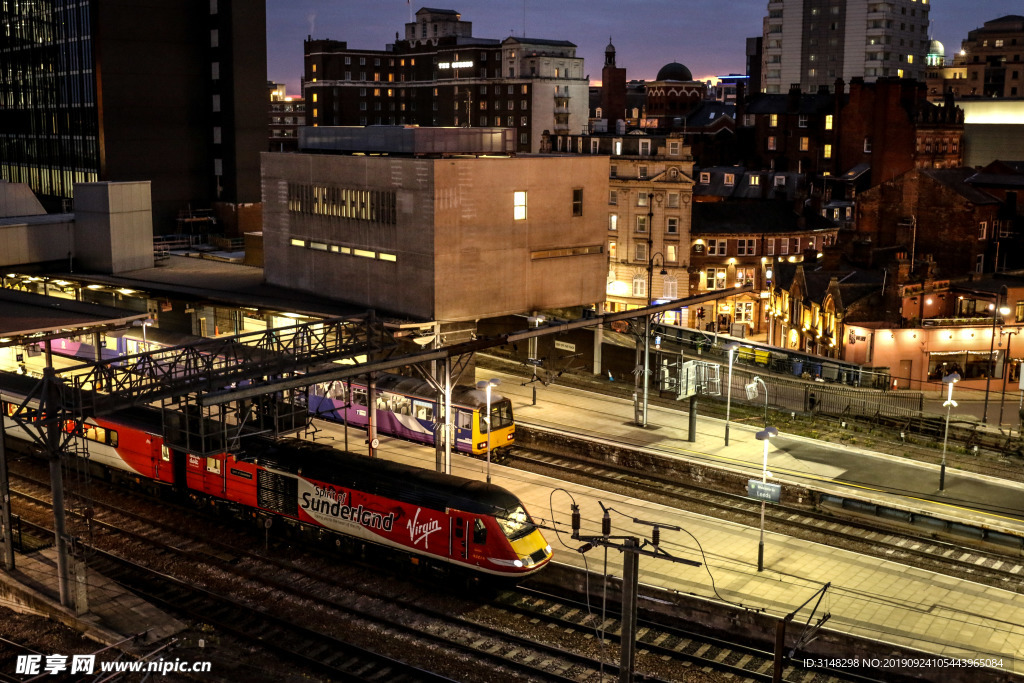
point(438, 520)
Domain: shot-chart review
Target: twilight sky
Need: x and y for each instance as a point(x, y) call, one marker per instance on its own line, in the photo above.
point(708, 36)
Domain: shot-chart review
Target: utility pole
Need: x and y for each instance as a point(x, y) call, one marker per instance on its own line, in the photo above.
point(632, 548)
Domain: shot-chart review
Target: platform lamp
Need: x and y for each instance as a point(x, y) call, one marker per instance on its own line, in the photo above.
point(949, 380)
point(731, 349)
point(487, 387)
point(143, 324)
point(764, 436)
point(647, 323)
point(998, 310)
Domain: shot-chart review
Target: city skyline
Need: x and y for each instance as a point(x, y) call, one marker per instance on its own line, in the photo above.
point(642, 47)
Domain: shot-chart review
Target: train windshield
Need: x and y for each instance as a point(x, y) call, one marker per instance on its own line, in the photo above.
point(501, 416)
point(515, 522)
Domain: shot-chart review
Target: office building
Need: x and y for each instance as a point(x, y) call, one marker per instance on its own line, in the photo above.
point(439, 74)
point(167, 91)
point(814, 42)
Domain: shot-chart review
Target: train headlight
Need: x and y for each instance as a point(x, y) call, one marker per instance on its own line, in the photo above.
point(547, 548)
point(518, 563)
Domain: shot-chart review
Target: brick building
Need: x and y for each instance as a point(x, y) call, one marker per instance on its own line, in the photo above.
point(932, 212)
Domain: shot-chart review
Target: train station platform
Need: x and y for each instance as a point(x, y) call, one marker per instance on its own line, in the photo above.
point(870, 598)
point(113, 616)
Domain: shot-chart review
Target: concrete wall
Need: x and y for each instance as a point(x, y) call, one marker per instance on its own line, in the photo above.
point(36, 241)
point(113, 226)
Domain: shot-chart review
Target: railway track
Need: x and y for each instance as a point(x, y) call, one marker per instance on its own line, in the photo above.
point(517, 636)
point(991, 568)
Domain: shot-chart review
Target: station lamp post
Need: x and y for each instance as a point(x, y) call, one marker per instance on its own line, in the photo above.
point(998, 310)
point(647, 318)
point(1006, 361)
point(487, 387)
point(949, 380)
point(764, 436)
point(731, 349)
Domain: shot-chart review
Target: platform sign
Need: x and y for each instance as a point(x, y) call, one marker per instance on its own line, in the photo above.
point(687, 379)
point(759, 490)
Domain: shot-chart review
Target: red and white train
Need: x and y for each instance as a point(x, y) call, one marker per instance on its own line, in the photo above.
point(440, 520)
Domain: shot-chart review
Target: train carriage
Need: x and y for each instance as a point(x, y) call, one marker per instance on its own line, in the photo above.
point(407, 408)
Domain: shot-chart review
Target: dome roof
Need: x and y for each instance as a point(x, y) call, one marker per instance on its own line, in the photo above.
point(674, 71)
point(936, 48)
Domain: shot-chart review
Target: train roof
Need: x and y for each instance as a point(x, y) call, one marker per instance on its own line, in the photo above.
point(404, 483)
point(414, 386)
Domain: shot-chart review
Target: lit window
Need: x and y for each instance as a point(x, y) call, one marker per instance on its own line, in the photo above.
point(828, 122)
point(773, 120)
point(755, 180)
point(772, 143)
point(641, 251)
point(613, 222)
point(730, 179)
point(641, 223)
point(611, 251)
point(828, 151)
point(519, 206)
point(805, 144)
point(705, 177)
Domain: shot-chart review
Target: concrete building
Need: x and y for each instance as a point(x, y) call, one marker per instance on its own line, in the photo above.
point(110, 231)
point(429, 229)
point(993, 57)
point(110, 90)
point(441, 75)
point(814, 42)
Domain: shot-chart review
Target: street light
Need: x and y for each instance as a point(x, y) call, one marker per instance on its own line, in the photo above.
point(1006, 360)
point(997, 310)
point(487, 387)
point(647, 321)
point(753, 383)
point(950, 379)
point(731, 348)
point(763, 436)
point(143, 324)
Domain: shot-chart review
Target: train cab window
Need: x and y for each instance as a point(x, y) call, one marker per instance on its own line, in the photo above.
point(479, 532)
point(463, 419)
point(213, 465)
point(515, 523)
point(359, 397)
point(423, 411)
point(165, 453)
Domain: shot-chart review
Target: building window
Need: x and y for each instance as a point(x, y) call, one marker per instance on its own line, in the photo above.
point(802, 121)
point(979, 263)
point(770, 247)
point(673, 148)
point(577, 202)
point(672, 226)
point(867, 145)
point(795, 245)
point(215, 38)
point(645, 148)
point(641, 223)
point(613, 197)
point(641, 199)
point(805, 144)
point(828, 151)
point(673, 200)
point(642, 172)
point(705, 177)
point(639, 286)
point(745, 248)
point(595, 146)
point(773, 120)
point(672, 252)
point(519, 206)
point(611, 251)
point(730, 179)
point(613, 222)
point(828, 121)
point(216, 103)
point(784, 246)
point(744, 276)
point(640, 251)
point(670, 288)
point(772, 143)
point(717, 247)
point(780, 181)
point(715, 278)
point(613, 171)
point(982, 230)
point(754, 180)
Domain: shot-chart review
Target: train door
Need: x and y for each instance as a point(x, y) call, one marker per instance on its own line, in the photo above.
point(461, 528)
point(178, 467)
point(161, 459)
